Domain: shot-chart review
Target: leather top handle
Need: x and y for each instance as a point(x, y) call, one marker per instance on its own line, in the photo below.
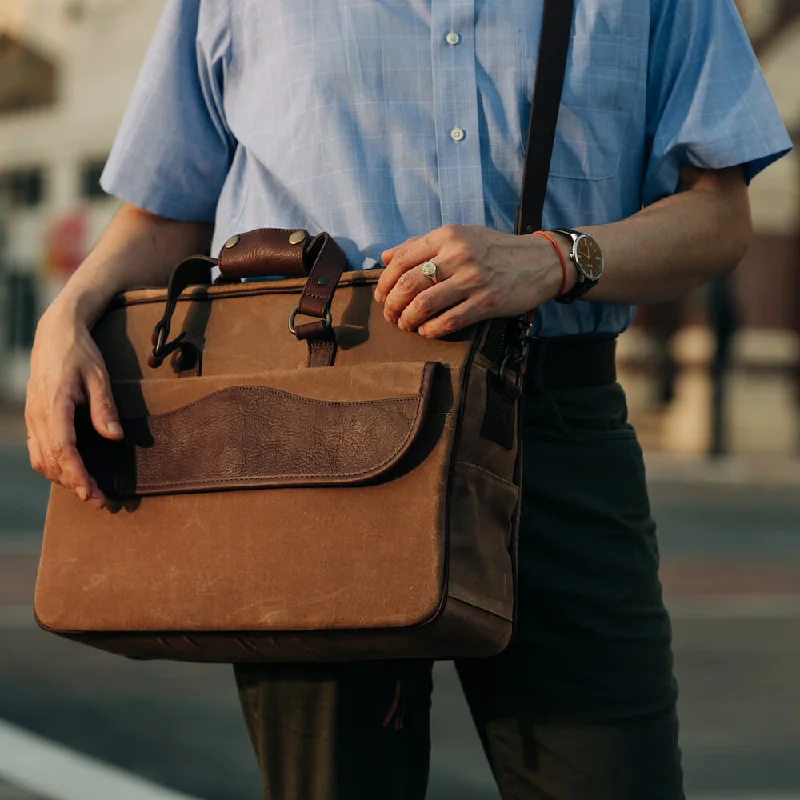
point(267, 251)
point(194, 271)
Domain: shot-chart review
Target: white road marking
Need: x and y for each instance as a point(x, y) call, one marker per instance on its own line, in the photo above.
point(58, 773)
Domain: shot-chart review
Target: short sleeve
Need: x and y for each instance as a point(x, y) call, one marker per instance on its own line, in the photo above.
point(173, 150)
point(708, 101)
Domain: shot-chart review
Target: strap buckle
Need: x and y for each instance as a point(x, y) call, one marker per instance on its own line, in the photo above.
point(327, 321)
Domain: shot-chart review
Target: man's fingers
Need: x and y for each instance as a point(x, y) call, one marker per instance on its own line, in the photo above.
point(454, 319)
point(61, 453)
point(35, 453)
point(102, 408)
point(429, 302)
point(407, 287)
point(405, 257)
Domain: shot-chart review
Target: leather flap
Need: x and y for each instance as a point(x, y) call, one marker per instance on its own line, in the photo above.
point(311, 427)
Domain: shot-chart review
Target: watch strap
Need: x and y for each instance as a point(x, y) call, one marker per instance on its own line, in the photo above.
point(584, 282)
point(574, 235)
point(579, 288)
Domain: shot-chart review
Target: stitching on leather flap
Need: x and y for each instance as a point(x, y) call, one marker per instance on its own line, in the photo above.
point(256, 437)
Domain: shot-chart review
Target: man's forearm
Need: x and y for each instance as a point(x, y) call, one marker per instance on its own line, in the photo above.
point(677, 244)
point(137, 249)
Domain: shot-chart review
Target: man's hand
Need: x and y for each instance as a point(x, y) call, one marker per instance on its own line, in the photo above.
point(66, 370)
point(137, 249)
point(660, 253)
point(482, 274)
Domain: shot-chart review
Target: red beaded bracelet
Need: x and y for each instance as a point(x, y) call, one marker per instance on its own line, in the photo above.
point(560, 258)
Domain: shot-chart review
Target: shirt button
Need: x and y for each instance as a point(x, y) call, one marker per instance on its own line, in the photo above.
point(452, 38)
point(457, 134)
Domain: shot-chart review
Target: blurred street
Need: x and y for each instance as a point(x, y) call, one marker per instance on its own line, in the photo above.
point(731, 568)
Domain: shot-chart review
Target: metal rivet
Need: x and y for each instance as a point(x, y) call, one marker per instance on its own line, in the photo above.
point(323, 281)
point(296, 237)
point(234, 240)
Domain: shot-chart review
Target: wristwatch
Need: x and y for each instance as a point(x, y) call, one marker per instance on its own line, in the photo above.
point(587, 257)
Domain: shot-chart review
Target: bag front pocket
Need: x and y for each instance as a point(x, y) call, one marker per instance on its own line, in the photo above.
point(329, 426)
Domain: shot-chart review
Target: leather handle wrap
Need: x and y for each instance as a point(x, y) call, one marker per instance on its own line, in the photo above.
point(265, 252)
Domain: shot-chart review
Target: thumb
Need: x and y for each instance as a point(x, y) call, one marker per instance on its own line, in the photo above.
point(102, 408)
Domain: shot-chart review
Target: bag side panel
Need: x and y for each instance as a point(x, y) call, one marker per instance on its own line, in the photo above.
point(485, 497)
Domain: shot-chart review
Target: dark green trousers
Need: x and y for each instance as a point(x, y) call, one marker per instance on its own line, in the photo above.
point(581, 706)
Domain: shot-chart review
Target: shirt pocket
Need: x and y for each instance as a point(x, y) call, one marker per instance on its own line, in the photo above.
point(601, 88)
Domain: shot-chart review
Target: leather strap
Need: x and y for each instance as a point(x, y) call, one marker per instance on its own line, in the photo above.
point(194, 271)
point(550, 71)
point(328, 264)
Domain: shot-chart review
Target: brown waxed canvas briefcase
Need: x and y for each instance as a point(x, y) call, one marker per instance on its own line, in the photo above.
point(331, 489)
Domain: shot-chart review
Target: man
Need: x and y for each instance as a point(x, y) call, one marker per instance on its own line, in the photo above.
point(398, 128)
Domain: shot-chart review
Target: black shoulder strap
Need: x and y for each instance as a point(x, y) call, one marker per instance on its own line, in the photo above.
point(550, 69)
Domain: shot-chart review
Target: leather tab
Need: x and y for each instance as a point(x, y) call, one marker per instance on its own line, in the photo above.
point(318, 329)
point(321, 342)
point(329, 264)
point(321, 352)
point(265, 252)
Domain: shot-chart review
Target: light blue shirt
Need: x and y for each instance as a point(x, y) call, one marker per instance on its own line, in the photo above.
point(382, 119)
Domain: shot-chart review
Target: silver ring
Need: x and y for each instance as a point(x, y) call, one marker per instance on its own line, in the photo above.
point(430, 270)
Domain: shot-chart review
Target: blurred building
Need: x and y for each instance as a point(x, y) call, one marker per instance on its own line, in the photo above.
point(68, 67)
point(66, 71)
point(745, 329)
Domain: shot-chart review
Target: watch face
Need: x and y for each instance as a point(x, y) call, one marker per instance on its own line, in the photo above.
point(589, 257)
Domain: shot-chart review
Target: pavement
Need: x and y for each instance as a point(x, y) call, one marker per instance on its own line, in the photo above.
point(11, 792)
point(730, 542)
